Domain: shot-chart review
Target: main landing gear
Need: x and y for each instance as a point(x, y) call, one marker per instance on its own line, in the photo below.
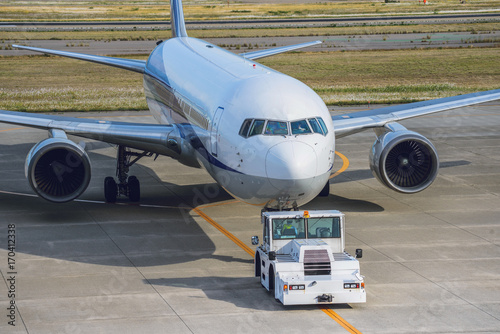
point(127, 185)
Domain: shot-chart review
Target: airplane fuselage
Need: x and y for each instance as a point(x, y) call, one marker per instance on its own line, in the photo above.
point(265, 137)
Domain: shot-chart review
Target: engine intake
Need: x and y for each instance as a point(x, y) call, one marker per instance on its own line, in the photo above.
point(404, 161)
point(58, 170)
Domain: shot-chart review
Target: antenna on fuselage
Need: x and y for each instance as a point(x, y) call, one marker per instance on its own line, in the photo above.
point(177, 19)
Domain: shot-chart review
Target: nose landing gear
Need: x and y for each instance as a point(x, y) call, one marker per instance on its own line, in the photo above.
point(128, 186)
point(326, 190)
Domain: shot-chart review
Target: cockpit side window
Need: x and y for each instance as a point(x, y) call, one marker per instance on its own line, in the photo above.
point(315, 125)
point(323, 125)
point(244, 127)
point(257, 127)
point(276, 128)
point(300, 127)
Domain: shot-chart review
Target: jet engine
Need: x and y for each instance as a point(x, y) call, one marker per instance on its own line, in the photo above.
point(57, 169)
point(404, 160)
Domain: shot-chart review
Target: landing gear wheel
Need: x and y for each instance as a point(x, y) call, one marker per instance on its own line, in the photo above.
point(134, 189)
point(127, 185)
point(110, 189)
point(326, 190)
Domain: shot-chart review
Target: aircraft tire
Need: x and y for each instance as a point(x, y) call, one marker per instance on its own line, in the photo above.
point(110, 189)
point(326, 190)
point(134, 189)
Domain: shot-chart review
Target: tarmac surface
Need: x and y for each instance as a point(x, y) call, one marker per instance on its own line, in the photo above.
point(431, 260)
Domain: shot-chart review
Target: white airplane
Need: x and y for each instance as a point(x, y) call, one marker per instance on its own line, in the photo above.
point(265, 137)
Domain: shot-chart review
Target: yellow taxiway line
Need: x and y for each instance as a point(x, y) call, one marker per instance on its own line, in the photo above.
point(341, 321)
point(228, 234)
point(345, 164)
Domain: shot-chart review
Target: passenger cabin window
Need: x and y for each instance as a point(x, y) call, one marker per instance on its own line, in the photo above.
point(300, 127)
point(276, 128)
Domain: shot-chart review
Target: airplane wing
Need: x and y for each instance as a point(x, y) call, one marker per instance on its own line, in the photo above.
point(348, 124)
point(147, 137)
point(127, 64)
point(274, 51)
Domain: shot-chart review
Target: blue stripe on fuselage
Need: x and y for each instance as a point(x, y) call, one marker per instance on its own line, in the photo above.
point(187, 130)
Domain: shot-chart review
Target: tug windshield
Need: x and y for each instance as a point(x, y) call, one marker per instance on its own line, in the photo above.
point(328, 227)
point(289, 228)
point(294, 228)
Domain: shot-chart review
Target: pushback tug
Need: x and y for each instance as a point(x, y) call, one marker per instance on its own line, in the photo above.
point(302, 259)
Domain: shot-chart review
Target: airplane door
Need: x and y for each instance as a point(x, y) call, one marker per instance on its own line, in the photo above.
point(215, 129)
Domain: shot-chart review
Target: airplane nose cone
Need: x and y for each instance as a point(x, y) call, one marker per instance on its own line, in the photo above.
point(291, 160)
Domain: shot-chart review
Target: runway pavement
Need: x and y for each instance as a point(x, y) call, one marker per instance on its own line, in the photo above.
point(431, 260)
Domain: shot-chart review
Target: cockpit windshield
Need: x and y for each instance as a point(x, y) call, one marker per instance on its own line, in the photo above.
point(276, 128)
point(300, 127)
point(252, 127)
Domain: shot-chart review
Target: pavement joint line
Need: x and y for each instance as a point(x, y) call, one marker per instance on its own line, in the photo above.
point(434, 282)
point(133, 265)
point(101, 202)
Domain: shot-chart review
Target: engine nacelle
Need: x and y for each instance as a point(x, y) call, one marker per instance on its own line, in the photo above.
point(57, 169)
point(404, 161)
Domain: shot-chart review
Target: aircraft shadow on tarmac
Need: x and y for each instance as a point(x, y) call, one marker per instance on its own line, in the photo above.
point(129, 235)
point(151, 234)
